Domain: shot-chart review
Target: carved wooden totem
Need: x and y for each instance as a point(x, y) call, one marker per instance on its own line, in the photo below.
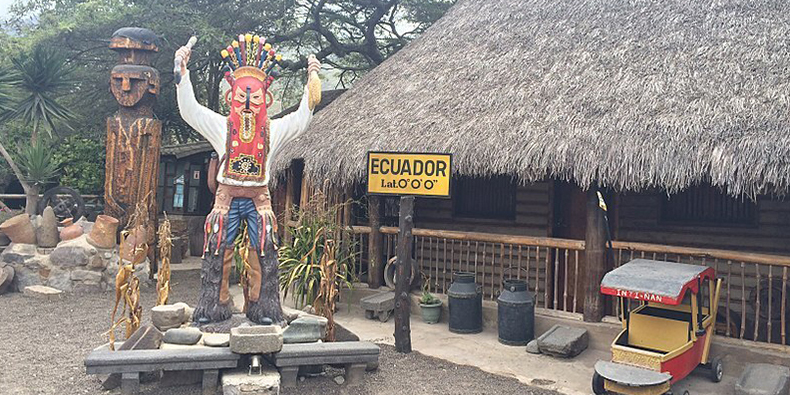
point(133, 134)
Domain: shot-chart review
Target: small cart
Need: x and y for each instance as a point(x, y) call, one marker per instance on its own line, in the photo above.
point(668, 311)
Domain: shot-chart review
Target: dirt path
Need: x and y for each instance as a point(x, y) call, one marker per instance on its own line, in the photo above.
point(43, 345)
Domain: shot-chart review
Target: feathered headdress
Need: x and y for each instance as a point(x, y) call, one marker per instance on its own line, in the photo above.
point(250, 56)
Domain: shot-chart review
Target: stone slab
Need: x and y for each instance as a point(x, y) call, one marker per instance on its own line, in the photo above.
point(380, 302)
point(42, 292)
point(103, 361)
point(240, 382)
point(563, 341)
point(631, 376)
point(257, 339)
point(337, 353)
point(144, 338)
point(304, 330)
point(216, 339)
point(763, 379)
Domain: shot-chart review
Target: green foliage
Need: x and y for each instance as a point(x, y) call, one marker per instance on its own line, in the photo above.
point(427, 298)
point(39, 78)
point(38, 163)
point(5, 215)
point(82, 163)
point(300, 271)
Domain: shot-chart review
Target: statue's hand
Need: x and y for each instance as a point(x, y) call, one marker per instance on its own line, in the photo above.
point(184, 54)
point(313, 65)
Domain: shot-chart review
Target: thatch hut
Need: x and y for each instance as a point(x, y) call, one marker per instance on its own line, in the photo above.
point(679, 111)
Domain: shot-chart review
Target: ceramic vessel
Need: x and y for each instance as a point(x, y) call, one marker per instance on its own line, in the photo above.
point(19, 229)
point(103, 233)
point(70, 230)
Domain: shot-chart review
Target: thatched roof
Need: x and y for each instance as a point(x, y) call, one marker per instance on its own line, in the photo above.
point(632, 94)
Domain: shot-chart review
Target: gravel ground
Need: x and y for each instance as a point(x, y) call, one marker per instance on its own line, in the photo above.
point(43, 344)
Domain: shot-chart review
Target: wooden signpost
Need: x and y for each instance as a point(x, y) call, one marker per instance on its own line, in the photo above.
point(407, 175)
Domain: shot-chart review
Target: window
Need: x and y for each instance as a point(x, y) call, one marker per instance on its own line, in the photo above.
point(489, 198)
point(707, 205)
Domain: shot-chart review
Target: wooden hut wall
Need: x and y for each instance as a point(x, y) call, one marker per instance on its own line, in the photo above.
point(640, 220)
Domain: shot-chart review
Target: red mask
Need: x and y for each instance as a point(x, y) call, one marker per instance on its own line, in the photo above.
point(248, 128)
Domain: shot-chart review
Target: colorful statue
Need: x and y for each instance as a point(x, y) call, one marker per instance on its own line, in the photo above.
point(245, 141)
point(133, 134)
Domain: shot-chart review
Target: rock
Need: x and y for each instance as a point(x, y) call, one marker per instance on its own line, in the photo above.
point(183, 336)
point(308, 309)
point(6, 278)
point(24, 277)
point(86, 288)
point(339, 380)
point(145, 338)
point(87, 226)
point(216, 339)
point(47, 231)
point(563, 341)
point(239, 382)
point(304, 330)
point(18, 253)
point(167, 316)
point(169, 346)
point(176, 378)
point(60, 279)
point(532, 347)
point(19, 229)
point(258, 339)
point(290, 314)
point(86, 276)
point(763, 379)
point(188, 311)
point(42, 292)
point(38, 262)
point(74, 253)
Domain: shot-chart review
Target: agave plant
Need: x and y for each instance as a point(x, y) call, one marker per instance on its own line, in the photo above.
point(316, 231)
point(37, 163)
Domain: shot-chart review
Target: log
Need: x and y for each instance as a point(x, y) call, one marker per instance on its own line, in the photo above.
point(376, 260)
point(594, 258)
point(403, 274)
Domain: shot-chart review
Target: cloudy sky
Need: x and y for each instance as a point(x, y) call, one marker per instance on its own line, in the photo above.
point(4, 7)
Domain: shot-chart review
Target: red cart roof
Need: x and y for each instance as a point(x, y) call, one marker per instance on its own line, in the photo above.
point(654, 281)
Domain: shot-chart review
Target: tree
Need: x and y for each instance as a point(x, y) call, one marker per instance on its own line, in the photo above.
point(39, 78)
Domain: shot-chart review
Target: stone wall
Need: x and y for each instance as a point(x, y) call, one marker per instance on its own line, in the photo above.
point(72, 266)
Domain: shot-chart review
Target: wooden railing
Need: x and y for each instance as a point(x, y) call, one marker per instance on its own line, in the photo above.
point(494, 258)
point(754, 303)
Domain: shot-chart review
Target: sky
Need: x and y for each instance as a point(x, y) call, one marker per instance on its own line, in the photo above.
point(4, 7)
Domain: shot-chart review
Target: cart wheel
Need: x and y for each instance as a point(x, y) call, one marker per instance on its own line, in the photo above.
point(597, 384)
point(716, 370)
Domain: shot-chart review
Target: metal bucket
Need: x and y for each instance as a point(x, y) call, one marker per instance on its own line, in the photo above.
point(465, 304)
point(515, 314)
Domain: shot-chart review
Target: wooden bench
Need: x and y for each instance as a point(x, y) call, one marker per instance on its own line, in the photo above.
point(130, 363)
point(355, 357)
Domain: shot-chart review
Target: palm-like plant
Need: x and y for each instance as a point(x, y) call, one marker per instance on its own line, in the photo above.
point(40, 78)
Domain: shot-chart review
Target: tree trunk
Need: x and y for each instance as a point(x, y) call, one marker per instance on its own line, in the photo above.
point(594, 258)
point(376, 261)
point(31, 202)
point(30, 190)
point(403, 275)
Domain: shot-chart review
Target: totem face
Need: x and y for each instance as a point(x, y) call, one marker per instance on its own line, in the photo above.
point(248, 130)
point(131, 83)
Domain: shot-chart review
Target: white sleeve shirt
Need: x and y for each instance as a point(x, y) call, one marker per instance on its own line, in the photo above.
point(214, 127)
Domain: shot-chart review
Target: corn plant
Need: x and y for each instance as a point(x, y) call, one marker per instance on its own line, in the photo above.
point(300, 273)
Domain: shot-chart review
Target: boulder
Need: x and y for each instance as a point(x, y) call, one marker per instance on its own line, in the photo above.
point(47, 231)
point(305, 330)
point(42, 292)
point(86, 276)
point(24, 277)
point(167, 316)
point(60, 279)
point(216, 339)
point(258, 339)
point(74, 253)
point(183, 336)
point(563, 341)
point(145, 338)
point(763, 379)
point(18, 253)
point(188, 311)
point(6, 278)
point(240, 382)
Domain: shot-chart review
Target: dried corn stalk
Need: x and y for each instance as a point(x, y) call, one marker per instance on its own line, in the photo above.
point(165, 251)
point(327, 290)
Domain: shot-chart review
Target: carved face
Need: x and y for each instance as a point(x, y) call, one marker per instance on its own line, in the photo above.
point(130, 83)
point(248, 93)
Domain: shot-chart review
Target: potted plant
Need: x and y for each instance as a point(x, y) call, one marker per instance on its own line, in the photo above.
point(431, 308)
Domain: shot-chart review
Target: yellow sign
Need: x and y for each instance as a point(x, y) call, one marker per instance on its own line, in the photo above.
point(399, 173)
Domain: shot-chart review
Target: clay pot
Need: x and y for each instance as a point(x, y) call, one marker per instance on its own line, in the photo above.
point(103, 233)
point(19, 229)
point(70, 230)
point(136, 238)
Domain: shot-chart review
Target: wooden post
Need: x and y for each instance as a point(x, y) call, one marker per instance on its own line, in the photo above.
point(375, 252)
point(402, 276)
point(594, 259)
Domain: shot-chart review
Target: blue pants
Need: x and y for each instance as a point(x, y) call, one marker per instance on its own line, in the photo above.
point(243, 209)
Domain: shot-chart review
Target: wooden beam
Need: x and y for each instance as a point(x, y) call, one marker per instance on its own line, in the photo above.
point(594, 259)
point(375, 243)
point(403, 275)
